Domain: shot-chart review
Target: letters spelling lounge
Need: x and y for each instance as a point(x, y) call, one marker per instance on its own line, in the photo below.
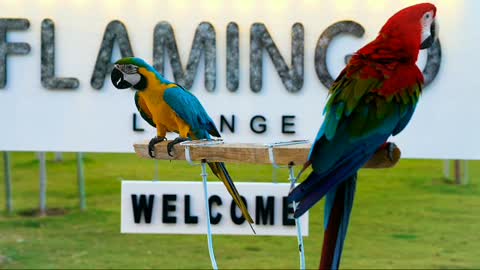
point(144, 205)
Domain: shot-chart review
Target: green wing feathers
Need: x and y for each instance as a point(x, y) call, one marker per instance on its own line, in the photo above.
point(218, 168)
point(361, 103)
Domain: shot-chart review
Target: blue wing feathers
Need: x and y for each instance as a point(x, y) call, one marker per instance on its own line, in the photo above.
point(317, 185)
point(188, 107)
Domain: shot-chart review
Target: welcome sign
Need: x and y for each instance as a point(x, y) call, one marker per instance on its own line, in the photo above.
point(261, 69)
point(179, 208)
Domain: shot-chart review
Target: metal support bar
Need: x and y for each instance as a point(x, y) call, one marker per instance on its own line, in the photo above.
point(207, 210)
point(271, 154)
point(58, 157)
point(156, 177)
point(458, 172)
point(203, 142)
point(43, 183)
point(292, 179)
point(8, 182)
point(81, 182)
point(446, 168)
point(301, 250)
point(465, 176)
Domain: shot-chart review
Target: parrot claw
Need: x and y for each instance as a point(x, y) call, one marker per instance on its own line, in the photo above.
point(172, 143)
point(151, 145)
point(391, 150)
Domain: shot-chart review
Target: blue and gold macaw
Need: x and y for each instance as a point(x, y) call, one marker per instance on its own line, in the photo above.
point(170, 108)
point(373, 98)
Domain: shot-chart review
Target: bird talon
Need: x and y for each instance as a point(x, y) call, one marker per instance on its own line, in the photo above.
point(170, 148)
point(171, 144)
point(151, 145)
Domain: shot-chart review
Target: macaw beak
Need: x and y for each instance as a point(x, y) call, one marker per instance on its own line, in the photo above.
point(427, 43)
point(118, 79)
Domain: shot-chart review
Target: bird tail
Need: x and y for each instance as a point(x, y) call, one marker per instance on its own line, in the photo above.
point(338, 207)
point(219, 169)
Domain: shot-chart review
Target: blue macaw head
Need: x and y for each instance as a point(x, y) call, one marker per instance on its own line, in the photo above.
point(125, 73)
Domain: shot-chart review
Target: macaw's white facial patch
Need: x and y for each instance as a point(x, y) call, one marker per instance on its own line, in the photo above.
point(133, 79)
point(426, 22)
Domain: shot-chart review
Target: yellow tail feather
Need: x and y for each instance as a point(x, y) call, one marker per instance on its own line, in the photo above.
point(218, 168)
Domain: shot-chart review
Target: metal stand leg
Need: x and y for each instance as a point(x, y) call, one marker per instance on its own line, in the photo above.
point(301, 251)
point(458, 172)
point(81, 182)
point(446, 168)
point(207, 208)
point(43, 183)
point(8, 182)
point(292, 180)
point(465, 175)
point(204, 174)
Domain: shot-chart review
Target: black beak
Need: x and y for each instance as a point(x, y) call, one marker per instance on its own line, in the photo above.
point(117, 79)
point(427, 43)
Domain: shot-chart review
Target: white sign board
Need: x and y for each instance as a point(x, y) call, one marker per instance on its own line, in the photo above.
point(100, 120)
point(179, 208)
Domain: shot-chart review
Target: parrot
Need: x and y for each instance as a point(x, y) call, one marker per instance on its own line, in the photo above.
point(373, 98)
point(169, 107)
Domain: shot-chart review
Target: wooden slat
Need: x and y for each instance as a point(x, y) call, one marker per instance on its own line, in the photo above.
point(253, 153)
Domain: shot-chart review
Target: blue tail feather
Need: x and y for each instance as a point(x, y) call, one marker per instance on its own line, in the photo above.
point(308, 184)
point(325, 184)
point(349, 187)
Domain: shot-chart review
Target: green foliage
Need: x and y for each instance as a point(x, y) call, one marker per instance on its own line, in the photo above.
point(406, 217)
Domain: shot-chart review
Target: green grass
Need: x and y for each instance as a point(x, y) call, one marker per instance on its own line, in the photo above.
point(404, 217)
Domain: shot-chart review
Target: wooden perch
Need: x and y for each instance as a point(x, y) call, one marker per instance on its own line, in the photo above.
point(254, 154)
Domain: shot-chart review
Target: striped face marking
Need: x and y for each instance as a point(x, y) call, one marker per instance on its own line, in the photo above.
point(130, 73)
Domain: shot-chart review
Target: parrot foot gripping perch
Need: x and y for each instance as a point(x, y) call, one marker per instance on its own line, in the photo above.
point(293, 180)
point(151, 145)
point(171, 144)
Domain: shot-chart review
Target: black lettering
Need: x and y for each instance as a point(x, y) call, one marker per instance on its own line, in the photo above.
point(233, 57)
point(135, 127)
point(224, 121)
point(204, 42)
point(218, 201)
point(48, 78)
point(292, 78)
point(116, 32)
point(141, 206)
point(434, 59)
point(286, 124)
point(233, 212)
point(323, 42)
point(167, 208)
point(260, 127)
point(287, 213)
point(189, 219)
point(265, 213)
point(7, 48)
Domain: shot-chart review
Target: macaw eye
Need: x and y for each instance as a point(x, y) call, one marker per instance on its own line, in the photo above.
point(130, 69)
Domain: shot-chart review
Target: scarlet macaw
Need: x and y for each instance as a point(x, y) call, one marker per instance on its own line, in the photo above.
point(169, 107)
point(373, 97)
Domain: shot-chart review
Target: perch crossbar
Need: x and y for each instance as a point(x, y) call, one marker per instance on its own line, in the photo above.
point(278, 154)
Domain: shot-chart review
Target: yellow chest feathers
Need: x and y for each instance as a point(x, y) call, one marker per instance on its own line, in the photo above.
point(161, 112)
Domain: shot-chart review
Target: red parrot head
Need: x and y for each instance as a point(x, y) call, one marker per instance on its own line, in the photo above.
point(405, 33)
point(413, 23)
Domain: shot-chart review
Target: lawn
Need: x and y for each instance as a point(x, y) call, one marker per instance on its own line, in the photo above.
point(406, 217)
